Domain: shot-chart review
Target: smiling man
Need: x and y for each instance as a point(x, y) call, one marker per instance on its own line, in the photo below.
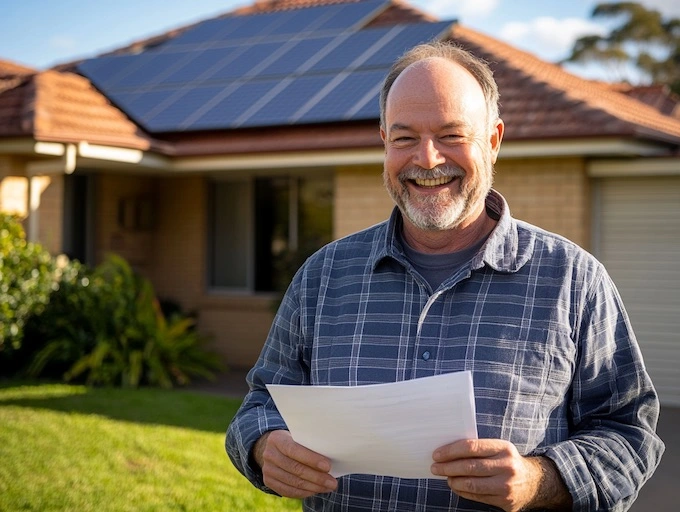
point(566, 412)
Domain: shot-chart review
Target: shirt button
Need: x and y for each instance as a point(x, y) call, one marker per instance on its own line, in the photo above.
point(426, 355)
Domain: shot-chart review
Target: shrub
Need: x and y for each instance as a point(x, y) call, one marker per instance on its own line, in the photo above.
point(27, 277)
point(105, 327)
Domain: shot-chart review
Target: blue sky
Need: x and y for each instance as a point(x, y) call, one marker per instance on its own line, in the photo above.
point(42, 33)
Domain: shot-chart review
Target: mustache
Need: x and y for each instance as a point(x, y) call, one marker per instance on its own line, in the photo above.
point(441, 171)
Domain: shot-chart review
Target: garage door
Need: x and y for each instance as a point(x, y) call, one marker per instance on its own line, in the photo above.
point(638, 240)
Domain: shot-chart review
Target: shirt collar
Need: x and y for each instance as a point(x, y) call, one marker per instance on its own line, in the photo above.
point(502, 250)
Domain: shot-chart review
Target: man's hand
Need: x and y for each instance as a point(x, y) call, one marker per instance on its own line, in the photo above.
point(492, 471)
point(289, 468)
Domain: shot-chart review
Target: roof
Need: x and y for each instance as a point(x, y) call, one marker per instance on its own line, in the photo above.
point(65, 107)
point(658, 96)
point(122, 101)
point(292, 66)
point(542, 100)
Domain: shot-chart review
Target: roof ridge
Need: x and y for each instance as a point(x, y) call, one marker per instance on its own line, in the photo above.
point(595, 94)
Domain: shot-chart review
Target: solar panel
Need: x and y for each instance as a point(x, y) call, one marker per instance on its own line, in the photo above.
point(104, 70)
point(349, 50)
point(187, 102)
point(337, 103)
point(210, 30)
point(407, 37)
point(309, 65)
point(143, 103)
point(257, 26)
point(202, 64)
point(301, 20)
point(347, 16)
point(223, 113)
point(280, 108)
point(295, 57)
point(369, 110)
point(151, 69)
point(246, 62)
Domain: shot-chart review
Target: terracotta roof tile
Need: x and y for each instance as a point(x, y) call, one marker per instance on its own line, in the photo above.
point(11, 69)
point(14, 90)
point(64, 107)
point(658, 96)
point(540, 100)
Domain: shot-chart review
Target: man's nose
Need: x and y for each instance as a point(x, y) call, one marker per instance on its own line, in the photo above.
point(427, 155)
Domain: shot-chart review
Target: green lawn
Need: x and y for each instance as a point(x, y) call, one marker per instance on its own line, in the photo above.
point(73, 448)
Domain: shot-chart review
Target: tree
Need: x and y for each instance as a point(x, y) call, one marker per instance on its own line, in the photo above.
point(643, 39)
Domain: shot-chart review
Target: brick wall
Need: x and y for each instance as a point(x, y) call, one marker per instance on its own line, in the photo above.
point(237, 327)
point(132, 243)
point(360, 199)
point(180, 233)
point(551, 193)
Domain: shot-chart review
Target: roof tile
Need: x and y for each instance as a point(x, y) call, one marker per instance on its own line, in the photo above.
point(539, 99)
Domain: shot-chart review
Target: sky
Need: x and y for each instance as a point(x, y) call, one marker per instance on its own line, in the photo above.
point(43, 33)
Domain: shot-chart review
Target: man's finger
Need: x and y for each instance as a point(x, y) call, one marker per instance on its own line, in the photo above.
point(470, 448)
point(305, 456)
point(293, 485)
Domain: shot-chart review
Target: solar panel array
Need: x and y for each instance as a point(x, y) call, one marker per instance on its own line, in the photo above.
point(313, 65)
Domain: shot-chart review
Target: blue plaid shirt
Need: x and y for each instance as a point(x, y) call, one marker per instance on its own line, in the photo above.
point(556, 367)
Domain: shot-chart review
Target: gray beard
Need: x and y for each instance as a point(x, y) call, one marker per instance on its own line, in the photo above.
point(435, 213)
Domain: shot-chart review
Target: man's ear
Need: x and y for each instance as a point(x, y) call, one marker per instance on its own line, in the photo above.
point(383, 135)
point(495, 139)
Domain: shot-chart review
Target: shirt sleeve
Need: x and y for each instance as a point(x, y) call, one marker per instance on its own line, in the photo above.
point(280, 362)
point(613, 448)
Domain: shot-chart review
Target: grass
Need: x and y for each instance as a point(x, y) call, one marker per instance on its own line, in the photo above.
point(66, 447)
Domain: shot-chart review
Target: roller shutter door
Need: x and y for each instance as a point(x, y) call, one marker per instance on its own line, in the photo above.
point(638, 240)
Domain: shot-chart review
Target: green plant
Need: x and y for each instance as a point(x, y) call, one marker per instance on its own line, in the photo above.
point(27, 277)
point(106, 327)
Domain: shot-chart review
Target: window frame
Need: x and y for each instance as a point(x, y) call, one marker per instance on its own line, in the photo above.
point(249, 178)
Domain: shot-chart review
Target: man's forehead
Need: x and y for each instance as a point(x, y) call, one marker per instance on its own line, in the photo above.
point(431, 74)
point(435, 82)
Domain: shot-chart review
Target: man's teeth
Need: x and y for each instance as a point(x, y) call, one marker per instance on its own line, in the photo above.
point(433, 182)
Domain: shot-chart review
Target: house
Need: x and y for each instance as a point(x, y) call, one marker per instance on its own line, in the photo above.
point(216, 156)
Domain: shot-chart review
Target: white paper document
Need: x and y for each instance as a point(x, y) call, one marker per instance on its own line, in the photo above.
point(380, 429)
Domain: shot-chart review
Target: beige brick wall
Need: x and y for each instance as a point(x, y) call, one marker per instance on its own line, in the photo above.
point(180, 240)
point(551, 193)
point(237, 327)
point(360, 199)
point(110, 237)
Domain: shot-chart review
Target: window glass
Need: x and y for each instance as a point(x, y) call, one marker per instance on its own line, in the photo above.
point(230, 235)
point(260, 239)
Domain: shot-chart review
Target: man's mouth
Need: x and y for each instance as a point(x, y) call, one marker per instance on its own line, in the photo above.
point(433, 182)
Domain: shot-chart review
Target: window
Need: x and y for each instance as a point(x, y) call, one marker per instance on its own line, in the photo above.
point(263, 228)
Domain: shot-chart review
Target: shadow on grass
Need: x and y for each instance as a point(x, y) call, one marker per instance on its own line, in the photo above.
point(174, 407)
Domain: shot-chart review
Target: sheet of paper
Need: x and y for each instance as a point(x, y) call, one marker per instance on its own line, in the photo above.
point(380, 429)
